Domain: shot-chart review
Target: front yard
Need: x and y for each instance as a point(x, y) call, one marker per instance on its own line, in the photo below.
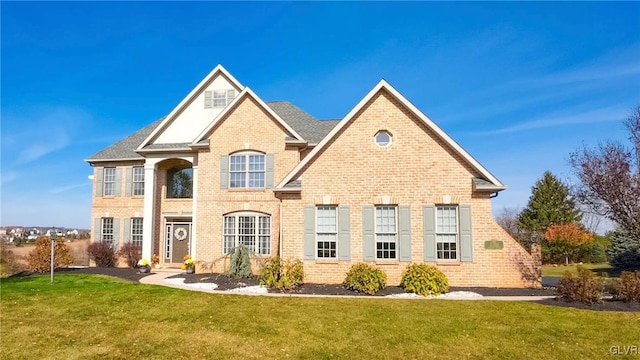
point(559, 270)
point(89, 316)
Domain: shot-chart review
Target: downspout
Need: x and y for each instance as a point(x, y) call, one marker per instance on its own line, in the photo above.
point(280, 229)
point(494, 195)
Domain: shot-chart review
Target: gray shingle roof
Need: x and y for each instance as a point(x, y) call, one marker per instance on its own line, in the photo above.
point(310, 128)
point(125, 148)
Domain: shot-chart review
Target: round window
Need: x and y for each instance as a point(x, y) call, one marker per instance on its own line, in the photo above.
point(383, 138)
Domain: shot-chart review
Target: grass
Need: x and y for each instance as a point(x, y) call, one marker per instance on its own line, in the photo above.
point(86, 316)
point(600, 269)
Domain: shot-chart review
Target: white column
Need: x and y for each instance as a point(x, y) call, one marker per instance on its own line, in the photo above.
point(149, 201)
point(194, 211)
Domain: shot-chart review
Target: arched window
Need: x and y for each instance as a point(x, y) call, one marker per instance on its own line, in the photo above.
point(180, 183)
point(246, 170)
point(250, 229)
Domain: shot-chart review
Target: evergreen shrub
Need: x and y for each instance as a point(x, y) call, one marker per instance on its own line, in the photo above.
point(425, 280)
point(365, 278)
point(285, 275)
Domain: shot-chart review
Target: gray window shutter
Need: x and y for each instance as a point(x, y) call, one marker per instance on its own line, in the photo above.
point(126, 233)
point(309, 232)
point(116, 233)
point(224, 171)
point(128, 181)
point(404, 219)
point(207, 100)
point(118, 183)
point(268, 182)
point(466, 240)
point(368, 233)
point(429, 229)
point(344, 233)
point(97, 230)
point(100, 175)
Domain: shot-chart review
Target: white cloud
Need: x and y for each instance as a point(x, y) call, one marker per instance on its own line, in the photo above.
point(50, 129)
point(8, 177)
point(612, 113)
point(69, 187)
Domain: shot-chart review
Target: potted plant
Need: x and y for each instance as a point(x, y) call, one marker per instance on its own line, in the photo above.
point(143, 266)
point(188, 265)
point(155, 259)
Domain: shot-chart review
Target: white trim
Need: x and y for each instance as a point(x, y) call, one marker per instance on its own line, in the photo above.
point(428, 122)
point(195, 92)
point(245, 92)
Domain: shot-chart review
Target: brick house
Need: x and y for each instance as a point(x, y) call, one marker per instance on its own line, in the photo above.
point(225, 168)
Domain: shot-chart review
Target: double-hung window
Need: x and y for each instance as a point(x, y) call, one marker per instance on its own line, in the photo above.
point(107, 230)
point(222, 97)
point(109, 181)
point(327, 231)
point(247, 170)
point(136, 231)
point(252, 230)
point(447, 233)
point(386, 232)
point(138, 180)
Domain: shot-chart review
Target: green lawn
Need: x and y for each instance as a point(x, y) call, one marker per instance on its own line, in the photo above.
point(83, 317)
point(550, 270)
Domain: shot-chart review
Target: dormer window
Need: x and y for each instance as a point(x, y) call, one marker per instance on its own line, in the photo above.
point(218, 98)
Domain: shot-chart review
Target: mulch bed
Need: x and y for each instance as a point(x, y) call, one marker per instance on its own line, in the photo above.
point(225, 282)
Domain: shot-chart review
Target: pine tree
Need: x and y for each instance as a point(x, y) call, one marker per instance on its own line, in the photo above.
point(550, 203)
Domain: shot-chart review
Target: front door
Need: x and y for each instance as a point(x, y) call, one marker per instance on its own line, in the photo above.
point(177, 241)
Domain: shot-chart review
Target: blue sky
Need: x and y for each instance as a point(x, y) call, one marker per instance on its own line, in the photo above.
point(519, 85)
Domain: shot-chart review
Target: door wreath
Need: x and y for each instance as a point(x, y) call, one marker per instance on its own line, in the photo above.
point(180, 233)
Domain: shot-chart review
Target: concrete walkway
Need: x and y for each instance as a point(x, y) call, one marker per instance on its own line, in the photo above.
point(158, 277)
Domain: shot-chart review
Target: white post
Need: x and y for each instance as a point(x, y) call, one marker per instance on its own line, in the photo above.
point(149, 194)
point(194, 211)
point(52, 235)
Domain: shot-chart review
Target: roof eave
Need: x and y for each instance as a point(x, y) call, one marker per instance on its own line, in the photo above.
point(287, 190)
point(146, 151)
point(93, 161)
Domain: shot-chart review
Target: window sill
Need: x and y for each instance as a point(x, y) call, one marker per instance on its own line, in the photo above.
point(247, 189)
point(327, 261)
point(393, 262)
point(448, 263)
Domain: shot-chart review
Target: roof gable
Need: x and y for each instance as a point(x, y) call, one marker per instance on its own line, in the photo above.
point(247, 92)
point(384, 86)
point(177, 111)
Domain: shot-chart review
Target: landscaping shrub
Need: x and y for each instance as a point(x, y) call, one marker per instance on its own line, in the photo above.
point(365, 278)
point(583, 287)
point(280, 274)
point(131, 253)
point(627, 287)
point(39, 258)
point(102, 254)
point(424, 280)
point(240, 265)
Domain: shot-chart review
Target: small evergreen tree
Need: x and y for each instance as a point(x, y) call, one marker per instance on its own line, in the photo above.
point(624, 251)
point(240, 265)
